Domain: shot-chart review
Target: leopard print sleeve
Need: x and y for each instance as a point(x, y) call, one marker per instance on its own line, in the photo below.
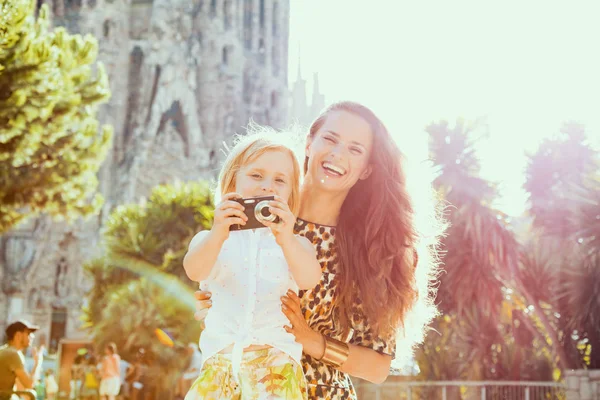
point(364, 336)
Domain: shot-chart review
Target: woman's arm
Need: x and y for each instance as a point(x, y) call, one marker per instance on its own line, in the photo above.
point(362, 362)
point(129, 372)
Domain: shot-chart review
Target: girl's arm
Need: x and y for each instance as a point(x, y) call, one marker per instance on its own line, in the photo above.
point(298, 251)
point(202, 255)
point(205, 247)
point(301, 257)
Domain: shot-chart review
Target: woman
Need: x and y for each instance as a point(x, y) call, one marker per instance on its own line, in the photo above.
point(89, 389)
point(77, 376)
point(110, 373)
point(357, 212)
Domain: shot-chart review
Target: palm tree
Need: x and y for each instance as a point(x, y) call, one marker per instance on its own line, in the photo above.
point(480, 249)
point(136, 310)
point(486, 330)
point(139, 283)
point(559, 165)
point(564, 194)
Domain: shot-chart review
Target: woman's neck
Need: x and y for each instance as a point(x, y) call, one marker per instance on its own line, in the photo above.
point(319, 206)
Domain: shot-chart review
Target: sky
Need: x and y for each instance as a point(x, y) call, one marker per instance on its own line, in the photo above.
point(525, 67)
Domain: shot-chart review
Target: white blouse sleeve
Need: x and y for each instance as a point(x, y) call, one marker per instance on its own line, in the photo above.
point(198, 238)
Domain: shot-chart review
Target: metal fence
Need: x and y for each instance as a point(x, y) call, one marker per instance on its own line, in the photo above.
point(456, 390)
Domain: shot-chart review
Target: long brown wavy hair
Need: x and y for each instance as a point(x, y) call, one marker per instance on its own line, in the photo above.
point(378, 240)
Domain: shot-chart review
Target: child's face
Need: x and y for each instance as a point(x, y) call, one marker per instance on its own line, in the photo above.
point(271, 173)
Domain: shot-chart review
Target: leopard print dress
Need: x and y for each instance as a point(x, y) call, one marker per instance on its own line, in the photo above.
point(324, 381)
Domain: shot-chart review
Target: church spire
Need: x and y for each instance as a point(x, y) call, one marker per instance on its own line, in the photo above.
point(299, 64)
point(318, 99)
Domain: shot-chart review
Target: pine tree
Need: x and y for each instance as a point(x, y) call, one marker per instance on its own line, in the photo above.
point(50, 147)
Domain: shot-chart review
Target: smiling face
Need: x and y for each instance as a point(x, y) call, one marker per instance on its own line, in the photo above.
point(262, 163)
point(339, 152)
point(270, 173)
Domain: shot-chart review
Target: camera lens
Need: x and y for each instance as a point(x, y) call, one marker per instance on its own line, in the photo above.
point(262, 213)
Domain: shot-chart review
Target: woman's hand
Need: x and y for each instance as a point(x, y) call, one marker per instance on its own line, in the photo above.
point(313, 343)
point(284, 229)
point(203, 303)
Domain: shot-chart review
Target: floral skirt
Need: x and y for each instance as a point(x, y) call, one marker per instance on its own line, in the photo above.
point(264, 374)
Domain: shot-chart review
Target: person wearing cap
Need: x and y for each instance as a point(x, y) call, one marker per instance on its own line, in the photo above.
point(19, 335)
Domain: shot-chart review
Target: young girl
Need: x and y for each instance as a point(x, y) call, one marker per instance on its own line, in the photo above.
point(248, 353)
point(51, 385)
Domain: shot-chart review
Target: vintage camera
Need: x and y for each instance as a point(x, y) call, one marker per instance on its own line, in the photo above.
point(257, 211)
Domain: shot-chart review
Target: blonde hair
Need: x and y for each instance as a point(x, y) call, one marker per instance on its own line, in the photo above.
point(246, 148)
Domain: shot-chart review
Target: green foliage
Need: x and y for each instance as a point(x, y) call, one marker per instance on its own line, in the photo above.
point(135, 310)
point(559, 166)
point(152, 231)
point(452, 150)
point(513, 307)
point(50, 148)
point(481, 252)
point(483, 313)
point(139, 282)
point(563, 181)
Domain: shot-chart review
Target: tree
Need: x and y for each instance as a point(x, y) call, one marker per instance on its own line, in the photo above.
point(481, 252)
point(139, 283)
point(581, 285)
point(560, 259)
point(50, 148)
point(136, 310)
point(559, 165)
point(486, 330)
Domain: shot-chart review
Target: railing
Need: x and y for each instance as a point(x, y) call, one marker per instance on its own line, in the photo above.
point(457, 390)
point(29, 394)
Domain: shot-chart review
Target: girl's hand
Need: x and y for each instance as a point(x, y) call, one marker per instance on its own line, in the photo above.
point(313, 343)
point(284, 229)
point(203, 303)
point(227, 213)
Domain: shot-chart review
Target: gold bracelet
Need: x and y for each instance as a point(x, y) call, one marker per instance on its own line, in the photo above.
point(336, 352)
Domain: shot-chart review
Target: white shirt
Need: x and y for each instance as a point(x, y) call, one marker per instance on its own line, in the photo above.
point(247, 282)
point(123, 365)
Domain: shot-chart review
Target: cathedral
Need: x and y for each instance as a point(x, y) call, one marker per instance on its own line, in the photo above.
point(300, 110)
point(185, 76)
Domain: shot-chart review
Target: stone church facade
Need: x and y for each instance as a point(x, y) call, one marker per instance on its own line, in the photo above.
point(185, 76)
